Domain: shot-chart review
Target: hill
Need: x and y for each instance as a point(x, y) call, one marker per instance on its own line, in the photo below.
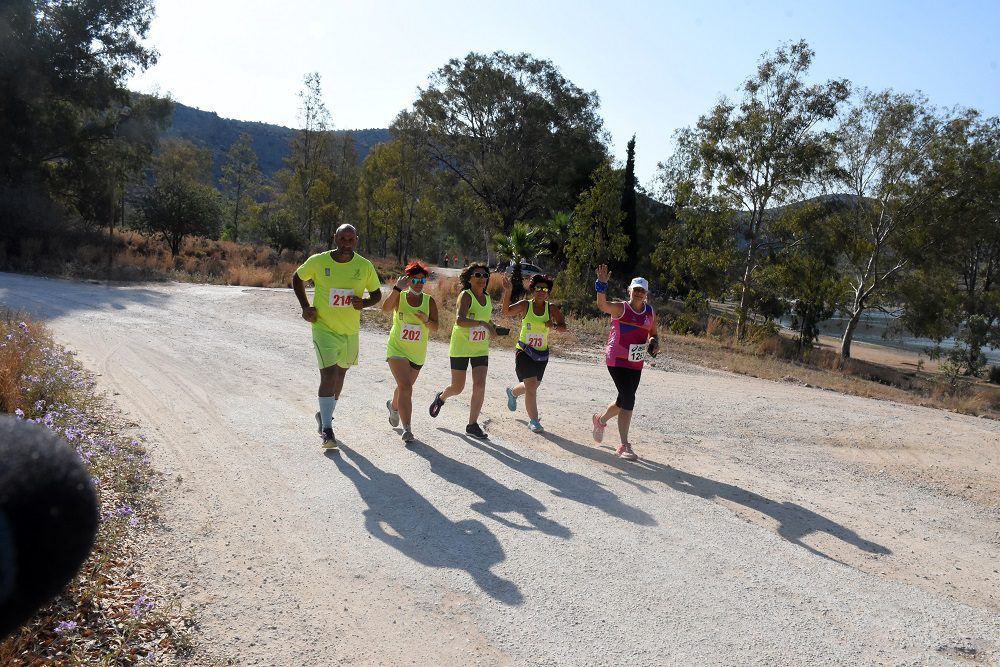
point(270, 142)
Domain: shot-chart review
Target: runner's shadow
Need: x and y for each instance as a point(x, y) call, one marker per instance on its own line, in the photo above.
point(571, 486)
point(497, 498)
point(794, 521)
point(405, 520)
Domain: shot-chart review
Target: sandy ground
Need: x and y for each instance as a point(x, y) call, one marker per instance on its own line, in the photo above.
point(767, 523)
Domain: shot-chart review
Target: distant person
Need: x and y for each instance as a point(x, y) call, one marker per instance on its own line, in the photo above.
point(470, 345)
point(455, 261)
point(341, 277)
point(466, 262)
point(445, 264)
point(539, 317)
point(414, 315)
point(631, 339)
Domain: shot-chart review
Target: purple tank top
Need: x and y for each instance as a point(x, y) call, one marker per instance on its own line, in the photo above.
point(627, 338)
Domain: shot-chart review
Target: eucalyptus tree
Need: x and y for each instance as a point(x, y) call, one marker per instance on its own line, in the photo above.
point(882, 145)
point(397, 203)
point(241, 180)
point(516, 133)
point(955, 290)
point(758, 153)
point(310, 179)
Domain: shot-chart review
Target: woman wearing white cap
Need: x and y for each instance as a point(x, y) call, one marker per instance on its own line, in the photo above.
point(632, 338)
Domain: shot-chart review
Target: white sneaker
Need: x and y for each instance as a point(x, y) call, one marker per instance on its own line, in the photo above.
point(393, 415)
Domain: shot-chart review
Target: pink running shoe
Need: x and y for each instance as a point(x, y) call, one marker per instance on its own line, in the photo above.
point(598, 428)
point(624, 451)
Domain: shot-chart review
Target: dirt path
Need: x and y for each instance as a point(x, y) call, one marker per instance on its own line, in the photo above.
point(766, 524)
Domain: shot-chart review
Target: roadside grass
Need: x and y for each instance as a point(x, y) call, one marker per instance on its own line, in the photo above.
point(777, 358)
point(108, 615)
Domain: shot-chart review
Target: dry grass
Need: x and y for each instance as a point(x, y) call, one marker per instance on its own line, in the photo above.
point(108, 615)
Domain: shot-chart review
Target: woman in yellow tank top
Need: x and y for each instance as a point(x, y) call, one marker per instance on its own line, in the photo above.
point(539, 317)
point(414, 315)
point(470, 345)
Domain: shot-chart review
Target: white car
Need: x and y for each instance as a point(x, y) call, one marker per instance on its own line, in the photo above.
point(527, 269)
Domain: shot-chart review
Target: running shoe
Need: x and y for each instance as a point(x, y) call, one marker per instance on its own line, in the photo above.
point(408, 436)
point(474, 431)
point(624, 451)
point(598, 428)
point(393, 415)
point(511, 400)
point(436, 405)
point(535, 425)
point(329, 441)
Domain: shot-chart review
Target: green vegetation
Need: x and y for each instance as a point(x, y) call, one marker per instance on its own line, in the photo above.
point(796, 198)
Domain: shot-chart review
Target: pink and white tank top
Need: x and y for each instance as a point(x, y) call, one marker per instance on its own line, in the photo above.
point(626, 346)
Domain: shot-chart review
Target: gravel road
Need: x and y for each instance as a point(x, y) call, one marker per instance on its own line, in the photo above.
point(767, 523)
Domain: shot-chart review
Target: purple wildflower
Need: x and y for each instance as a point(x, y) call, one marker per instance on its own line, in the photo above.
point(65, 626)
point(141, 606)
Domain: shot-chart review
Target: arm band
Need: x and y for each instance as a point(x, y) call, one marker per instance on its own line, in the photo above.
point(600, 287)
point(396, 288)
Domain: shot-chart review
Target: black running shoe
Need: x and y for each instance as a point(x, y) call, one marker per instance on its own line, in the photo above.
point(474, 431)
point(436, 405)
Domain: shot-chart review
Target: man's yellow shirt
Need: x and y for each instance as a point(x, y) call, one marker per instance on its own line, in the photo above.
point(336, 283)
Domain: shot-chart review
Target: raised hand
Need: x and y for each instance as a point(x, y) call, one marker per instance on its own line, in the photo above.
point(508, 286)
point(402, 282)
point(602, 273)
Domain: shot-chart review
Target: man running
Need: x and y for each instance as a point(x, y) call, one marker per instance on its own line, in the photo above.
point(632, 337)
point(340, 277)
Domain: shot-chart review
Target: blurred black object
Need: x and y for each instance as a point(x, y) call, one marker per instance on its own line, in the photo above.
point(501, 331)
point(48, 518)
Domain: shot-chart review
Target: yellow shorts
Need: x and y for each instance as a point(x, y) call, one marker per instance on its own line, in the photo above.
point(333, 349)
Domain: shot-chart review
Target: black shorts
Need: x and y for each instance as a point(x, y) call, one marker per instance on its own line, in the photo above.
point(627, 382)
point(526, 367)
point(462, 363)
point(414, 366)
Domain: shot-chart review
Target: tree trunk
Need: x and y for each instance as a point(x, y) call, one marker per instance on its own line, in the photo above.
point(845, 342)
point(741, 316)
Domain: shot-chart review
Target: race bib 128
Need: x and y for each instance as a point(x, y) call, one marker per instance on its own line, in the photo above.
point(637, 352)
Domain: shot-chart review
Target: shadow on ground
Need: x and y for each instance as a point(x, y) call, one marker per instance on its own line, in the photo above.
point(794, 521)
point(497, 498)
point(569, 485)
point(50, 298)
point(405, 520)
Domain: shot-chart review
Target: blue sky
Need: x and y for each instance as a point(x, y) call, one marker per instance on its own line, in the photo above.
point(656, 66)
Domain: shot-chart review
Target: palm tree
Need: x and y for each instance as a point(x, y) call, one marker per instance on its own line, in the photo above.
point(521, 243)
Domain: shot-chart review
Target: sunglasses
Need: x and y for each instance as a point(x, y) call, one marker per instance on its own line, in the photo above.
point(541, 289)
point(479, 274)
point(418, 281)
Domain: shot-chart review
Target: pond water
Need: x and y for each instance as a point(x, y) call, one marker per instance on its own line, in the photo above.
point(873, 328)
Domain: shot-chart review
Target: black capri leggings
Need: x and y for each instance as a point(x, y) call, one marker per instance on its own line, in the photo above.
point(627, 381)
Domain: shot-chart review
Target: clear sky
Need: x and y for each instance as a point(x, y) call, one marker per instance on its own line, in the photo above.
point(656, 66)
